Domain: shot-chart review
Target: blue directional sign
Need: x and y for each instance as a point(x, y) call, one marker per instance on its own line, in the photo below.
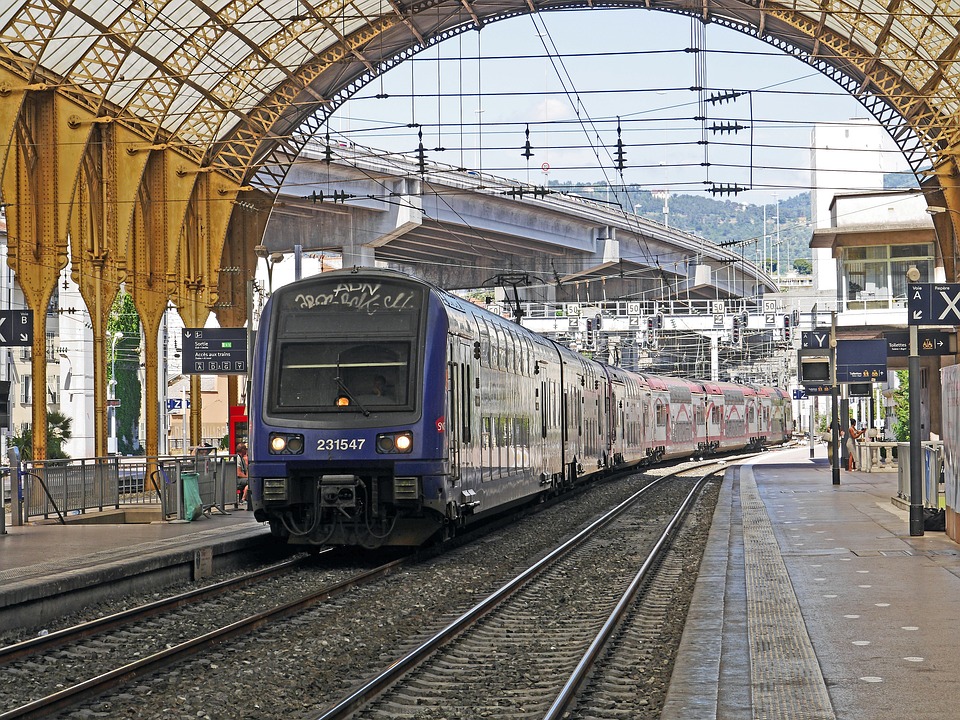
point(861, 361)
point(929, 343)
point(214, 351)
point(799, 394)
point(16, 328)
point(933, 304)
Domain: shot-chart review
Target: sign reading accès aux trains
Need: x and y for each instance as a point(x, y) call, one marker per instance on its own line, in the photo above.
point(214, 351)
point(16, 328)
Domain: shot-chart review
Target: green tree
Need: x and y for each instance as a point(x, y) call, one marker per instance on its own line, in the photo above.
point(803, 266)
point(59, 431)
point(126, 364)
point(901, 409)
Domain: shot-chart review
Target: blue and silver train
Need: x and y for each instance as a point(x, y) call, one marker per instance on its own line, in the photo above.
point(386, 411)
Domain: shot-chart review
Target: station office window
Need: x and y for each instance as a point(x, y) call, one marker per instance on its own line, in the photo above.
point(875, 277)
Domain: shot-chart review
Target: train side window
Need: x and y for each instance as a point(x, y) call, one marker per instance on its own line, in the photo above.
point(486, 442)
point(542, 393)
point(484, 342)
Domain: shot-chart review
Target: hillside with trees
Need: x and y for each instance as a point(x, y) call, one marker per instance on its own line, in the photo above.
point(787, 224)
point(733, 224)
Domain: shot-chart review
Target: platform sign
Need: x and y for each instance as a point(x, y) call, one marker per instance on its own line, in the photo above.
point(933, 304)
point(818, 339)
point(818, 390)
point(214, 351)
point(799, 394)
point(16, 328)
point(929, 343)
point(861, 361)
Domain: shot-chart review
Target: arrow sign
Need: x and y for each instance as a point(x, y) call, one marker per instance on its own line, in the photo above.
point(16, 328)
point(815, 339)
point(933, 303)
point(929, 343)
point(214, 351)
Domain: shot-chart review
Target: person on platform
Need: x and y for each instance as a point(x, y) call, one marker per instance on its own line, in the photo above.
point(243, 485)
point(852, 436)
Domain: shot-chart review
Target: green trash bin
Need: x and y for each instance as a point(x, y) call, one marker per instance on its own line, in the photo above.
point(192, 505)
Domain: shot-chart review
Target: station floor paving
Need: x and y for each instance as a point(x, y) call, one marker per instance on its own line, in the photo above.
point(48, 570)
point(813, 601)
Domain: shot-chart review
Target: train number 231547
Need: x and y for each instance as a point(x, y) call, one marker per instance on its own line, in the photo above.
point(340, 443)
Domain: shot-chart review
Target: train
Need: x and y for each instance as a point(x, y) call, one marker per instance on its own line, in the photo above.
point(386, 411)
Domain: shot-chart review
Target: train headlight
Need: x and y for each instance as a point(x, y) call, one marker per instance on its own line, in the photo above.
point(282, 444)
point(391, 443)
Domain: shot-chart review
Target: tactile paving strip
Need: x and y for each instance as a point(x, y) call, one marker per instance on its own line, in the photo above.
point(785, 675)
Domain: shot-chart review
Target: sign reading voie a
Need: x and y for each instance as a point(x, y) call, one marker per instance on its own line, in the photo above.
point(933, 304)
point(214, 351)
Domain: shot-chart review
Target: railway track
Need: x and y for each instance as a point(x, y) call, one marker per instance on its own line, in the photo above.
point(45, 676)
point(86, 660)
point(526, 649)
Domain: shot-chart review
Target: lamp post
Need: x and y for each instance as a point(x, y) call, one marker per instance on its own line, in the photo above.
point(270, 259)
point(112, 395)
point(913, 391)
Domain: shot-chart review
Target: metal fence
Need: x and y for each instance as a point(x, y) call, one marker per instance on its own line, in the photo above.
point(60, 488)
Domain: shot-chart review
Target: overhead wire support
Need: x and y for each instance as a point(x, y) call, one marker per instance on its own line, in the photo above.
point(527, 147)
point(718, 98)
point(421, 155)
point(620, 154)
point(726, 189)
point(514, 280)
point(725, 127)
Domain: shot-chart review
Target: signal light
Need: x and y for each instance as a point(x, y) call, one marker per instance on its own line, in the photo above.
point(596, 322)
point(735, 333)
point(786, 327)
point(651, 323)
point(589, 325)
point(659, 321)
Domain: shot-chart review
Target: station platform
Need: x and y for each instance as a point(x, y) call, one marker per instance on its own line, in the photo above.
point(48, 570)
point(813, 601)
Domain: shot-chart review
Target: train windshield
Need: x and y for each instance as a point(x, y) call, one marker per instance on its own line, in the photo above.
point(346, 346)
point(337, 376)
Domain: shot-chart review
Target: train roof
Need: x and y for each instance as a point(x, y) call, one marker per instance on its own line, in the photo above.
point(656, 382)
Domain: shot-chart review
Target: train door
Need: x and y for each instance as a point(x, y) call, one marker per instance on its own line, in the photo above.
point(452, 418)
point(459, 408)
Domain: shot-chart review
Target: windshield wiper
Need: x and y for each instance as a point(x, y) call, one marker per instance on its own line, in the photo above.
point(346, 391)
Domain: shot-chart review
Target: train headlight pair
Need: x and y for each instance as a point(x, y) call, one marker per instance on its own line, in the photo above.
point(284, 444)
point(400, 442)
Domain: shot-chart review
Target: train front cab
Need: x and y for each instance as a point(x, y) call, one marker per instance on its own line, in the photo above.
point(334, 459)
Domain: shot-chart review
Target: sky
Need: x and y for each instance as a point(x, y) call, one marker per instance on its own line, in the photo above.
point(544, 75)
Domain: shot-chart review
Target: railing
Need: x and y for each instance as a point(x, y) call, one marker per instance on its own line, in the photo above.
point(59, 489)
point(877, 456)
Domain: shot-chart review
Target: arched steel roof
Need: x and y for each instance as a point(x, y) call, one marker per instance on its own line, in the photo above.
point(228, 81)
